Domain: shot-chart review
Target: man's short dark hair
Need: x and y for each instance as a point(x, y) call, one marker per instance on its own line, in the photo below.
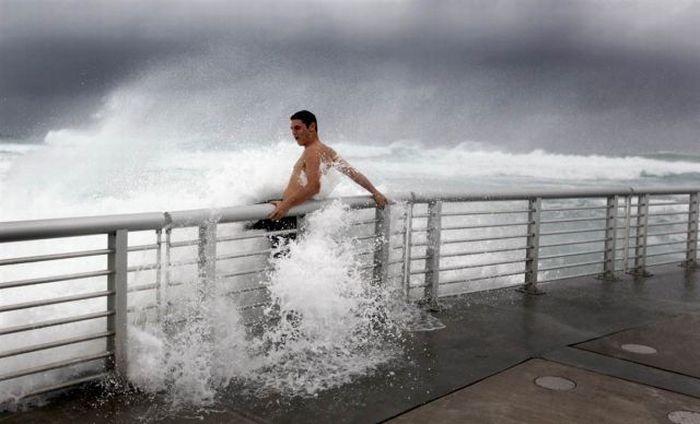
point(306, 117)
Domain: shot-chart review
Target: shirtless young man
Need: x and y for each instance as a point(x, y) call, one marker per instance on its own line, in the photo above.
point(316, 159)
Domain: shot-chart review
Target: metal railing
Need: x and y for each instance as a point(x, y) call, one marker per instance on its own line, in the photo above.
point(431, 244)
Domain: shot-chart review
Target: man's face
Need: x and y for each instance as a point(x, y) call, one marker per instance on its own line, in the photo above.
point(302, 134)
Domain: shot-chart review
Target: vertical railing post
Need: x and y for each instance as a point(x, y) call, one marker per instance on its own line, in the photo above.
point(382, 244)
point(691, 251)
point(117, 262)
point(610, 240)
point(626, 242)
point(206, 262)
point(640, 250)
point(159, 273)
point(167, 275)
point(533, 247)
point(432, 261)
point(407, 241)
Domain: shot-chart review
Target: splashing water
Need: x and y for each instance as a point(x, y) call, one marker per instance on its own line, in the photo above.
point(327, 323)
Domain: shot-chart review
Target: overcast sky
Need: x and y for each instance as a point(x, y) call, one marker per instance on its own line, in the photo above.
point(606, 76)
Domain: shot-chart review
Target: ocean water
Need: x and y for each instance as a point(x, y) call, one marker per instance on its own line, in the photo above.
point(325, 322)
point(76, 174)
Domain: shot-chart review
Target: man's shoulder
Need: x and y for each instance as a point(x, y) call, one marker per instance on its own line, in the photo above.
point(314, 150)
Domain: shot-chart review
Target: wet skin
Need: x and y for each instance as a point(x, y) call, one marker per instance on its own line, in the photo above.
point(315, 156)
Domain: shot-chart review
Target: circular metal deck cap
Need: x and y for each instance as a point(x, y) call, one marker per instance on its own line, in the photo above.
point(684, 417)
point(638, 348)
point(555, 383)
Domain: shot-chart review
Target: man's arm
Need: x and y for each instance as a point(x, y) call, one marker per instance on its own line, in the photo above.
point(297, 194)
point(360, 179)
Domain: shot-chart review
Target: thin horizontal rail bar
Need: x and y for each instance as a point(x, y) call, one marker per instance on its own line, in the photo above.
point(572, 243)
point(668, 204)
point(667, 234)
point(468, 280)
point(254, 236)
point(56, 279)
point(557, 233)
point(255, 305)
point(678, 252)
point(55, 301)
point(421, 258)
point(54, 322)
point(567, 255)
point(65, 385)
point(371, 221)
point(54, 344)
point(55, 256)
point(470, 213)
point(475, 240)
point(142, 247)
point(575, 265)
point(669, 214)
point(238, 274)
point(470, 253)
point(144, 287)
point(364, 238)
point(566, 277)
point(654, 245)
point(475, 227)
point(663, 224)
point(139, 308)
point(484, 265)
point(144, 267)
point(561, 221)
point(184, 243)
point(55, 365)
point(184, 262)
point(579, 208)
point(247, 290)
point(244, 255)
point(665, 263)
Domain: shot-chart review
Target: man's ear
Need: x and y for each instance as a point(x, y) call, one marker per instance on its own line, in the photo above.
point(313, 126)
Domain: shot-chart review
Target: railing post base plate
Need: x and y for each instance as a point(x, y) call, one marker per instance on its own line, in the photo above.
point(608, 277)
point(642, 273)
point(689, 265)
point(430, 304)
point(530, 289)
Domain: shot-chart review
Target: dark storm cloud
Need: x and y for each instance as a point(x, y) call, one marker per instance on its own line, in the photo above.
point(604, 75)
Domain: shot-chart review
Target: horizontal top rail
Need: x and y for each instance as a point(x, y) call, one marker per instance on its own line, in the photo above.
point(78, 226)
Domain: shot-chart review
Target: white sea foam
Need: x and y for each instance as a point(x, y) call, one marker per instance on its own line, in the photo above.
point(326, 324)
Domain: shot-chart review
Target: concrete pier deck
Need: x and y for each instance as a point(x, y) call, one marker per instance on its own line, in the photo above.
point(621, 352)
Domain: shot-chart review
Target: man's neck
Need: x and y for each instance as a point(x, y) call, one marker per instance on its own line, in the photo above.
point(316, 141)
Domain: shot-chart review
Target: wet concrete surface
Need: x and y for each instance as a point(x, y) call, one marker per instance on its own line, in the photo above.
point(513, 397)
point(486, 333)
point(673, 345)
